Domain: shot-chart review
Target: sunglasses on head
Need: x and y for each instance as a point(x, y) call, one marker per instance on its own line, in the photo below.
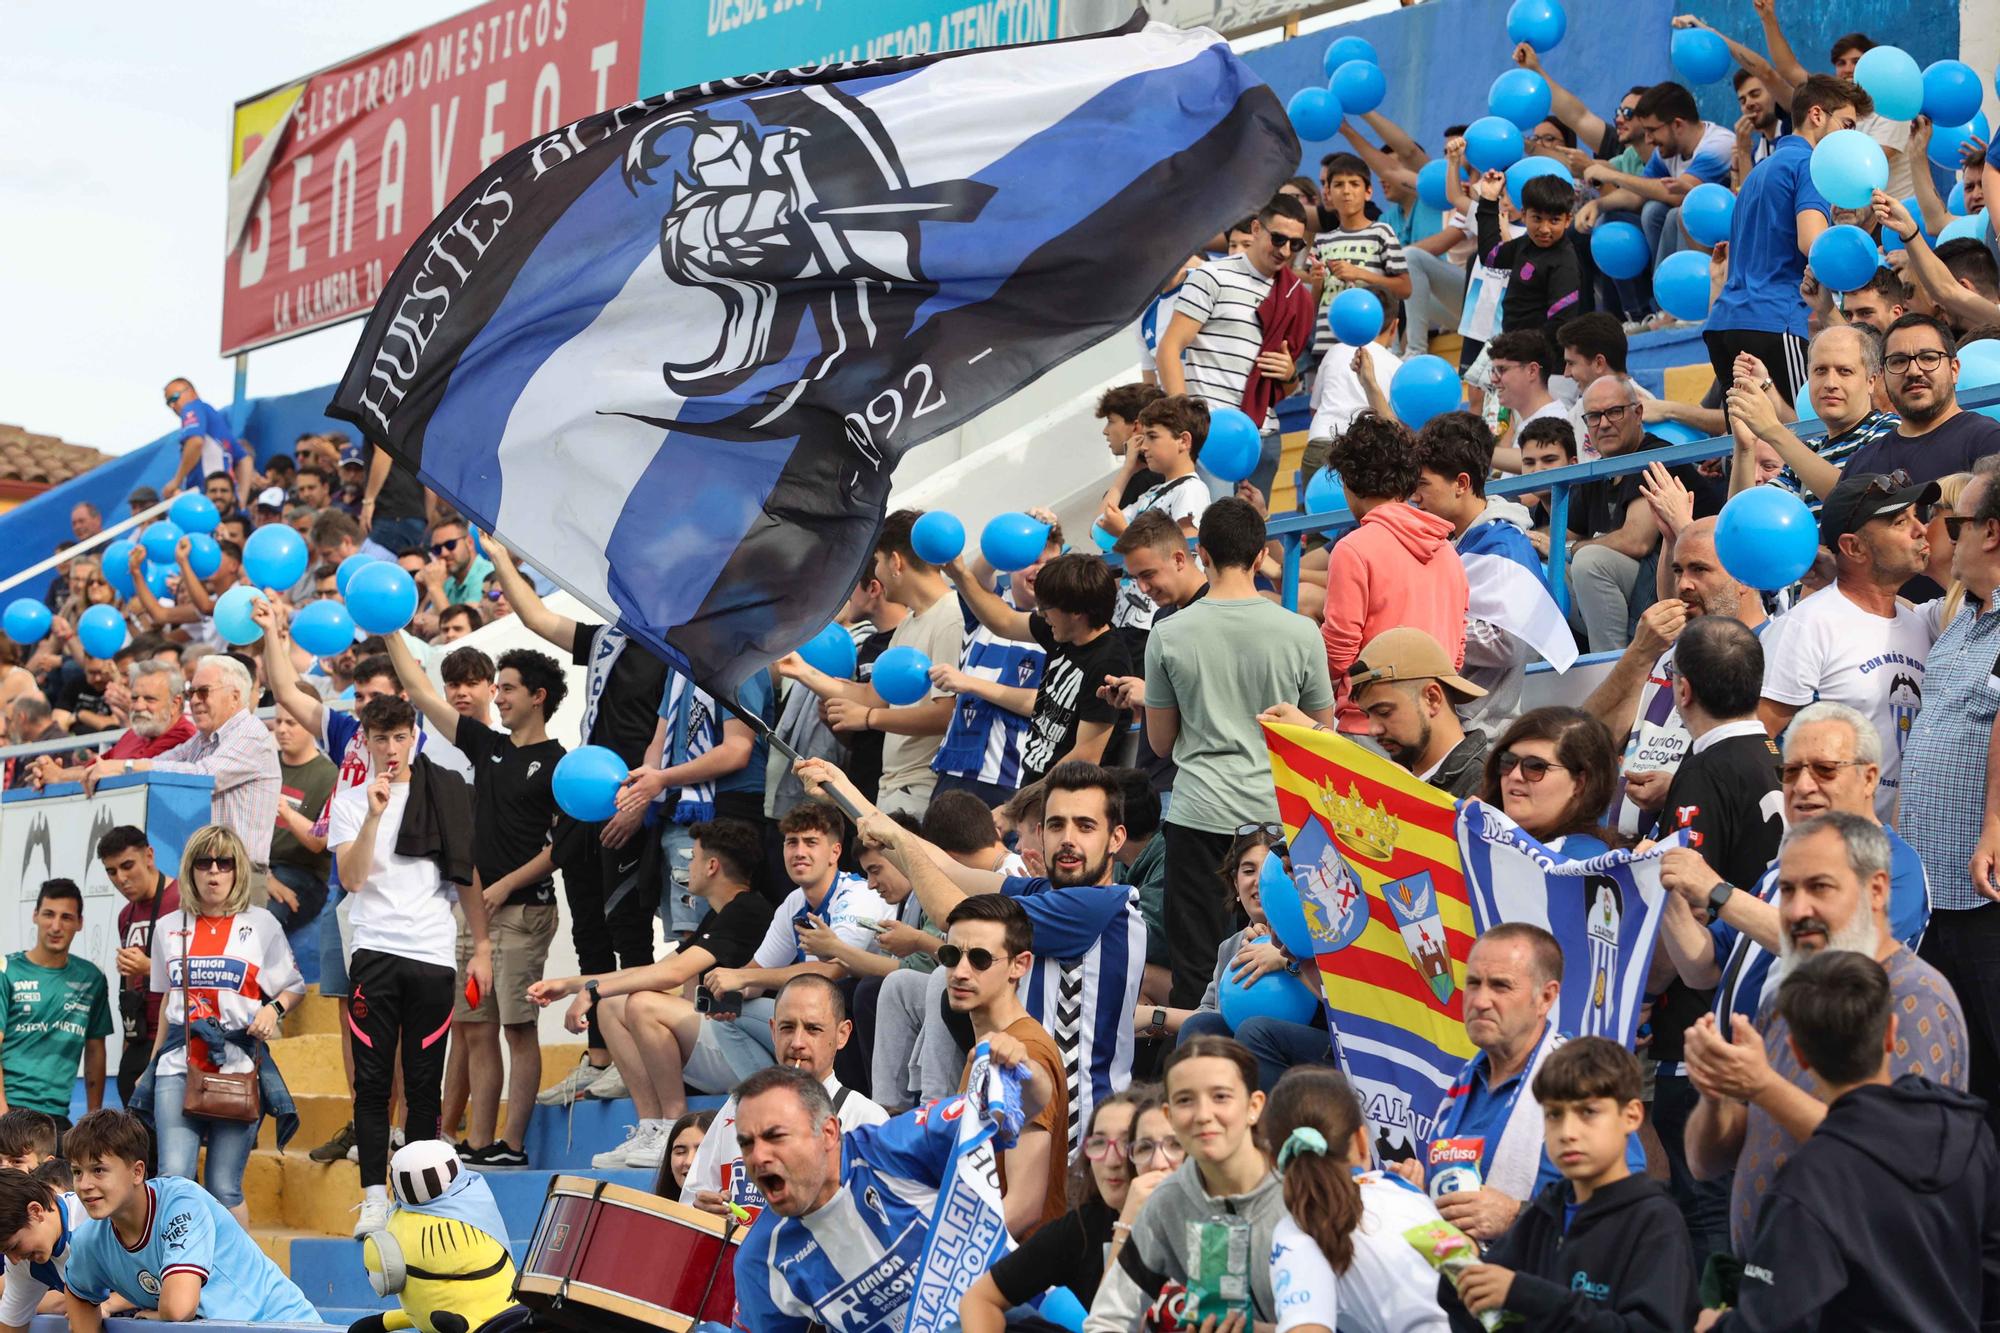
point(215, 863)
point(1533, 767)
point(981, 959)
point(1823, 770)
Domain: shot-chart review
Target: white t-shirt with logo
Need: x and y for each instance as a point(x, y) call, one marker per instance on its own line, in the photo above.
point(1826, 647)
point(1388, 1288)
point(405, 907)
point(232, 964)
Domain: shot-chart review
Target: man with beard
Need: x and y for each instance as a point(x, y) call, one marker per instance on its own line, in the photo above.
point(1757, 1104)
point(1937, 437)
point(1855, 642)
point(158, 721)
point(1089, 940)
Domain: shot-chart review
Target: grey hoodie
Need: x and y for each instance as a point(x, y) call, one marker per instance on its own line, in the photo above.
point(1152, 1268)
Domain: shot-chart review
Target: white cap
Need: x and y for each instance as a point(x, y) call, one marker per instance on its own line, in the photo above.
point(272, 497)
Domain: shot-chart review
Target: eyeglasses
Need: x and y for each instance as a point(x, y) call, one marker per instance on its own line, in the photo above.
point(1606, 414)
point(1533, 767)
point(1286, 244)
point(1097, 1147)
point(1546, 140)
point(1145, 1150)
point(215, 863)
point(1898, 363)
point(201, 691)
point(443, 548)
point(981, 959)
point(1823, 770)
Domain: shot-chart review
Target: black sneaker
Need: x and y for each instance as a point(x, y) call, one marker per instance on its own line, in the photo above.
point(496, 1153)
point(335, 1148)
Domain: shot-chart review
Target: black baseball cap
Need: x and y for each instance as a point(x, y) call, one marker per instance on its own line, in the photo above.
point(1859, 497)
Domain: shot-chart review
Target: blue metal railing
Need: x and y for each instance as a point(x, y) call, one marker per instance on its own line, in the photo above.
point(1291, 530)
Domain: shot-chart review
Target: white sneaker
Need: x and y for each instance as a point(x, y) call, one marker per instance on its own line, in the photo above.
point(609, 1086)
point(615, 1158)
point(647, 1151)
point(574, 1084)
point(374, 1216)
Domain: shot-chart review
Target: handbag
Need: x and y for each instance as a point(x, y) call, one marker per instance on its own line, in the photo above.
point(215, 1096)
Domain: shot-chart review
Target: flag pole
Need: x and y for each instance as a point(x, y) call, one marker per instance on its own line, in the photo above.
point(769, 735)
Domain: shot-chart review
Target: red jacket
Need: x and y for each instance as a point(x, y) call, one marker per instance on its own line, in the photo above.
point(1397, 568)
point(134, 746)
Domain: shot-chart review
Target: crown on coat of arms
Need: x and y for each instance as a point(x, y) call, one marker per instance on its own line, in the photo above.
point(1369, 830)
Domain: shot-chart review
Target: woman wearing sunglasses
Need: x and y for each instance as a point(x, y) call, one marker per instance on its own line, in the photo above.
point(1070, 1251)
point(1551, 772)
point(224, 966)
point(1207, 1227)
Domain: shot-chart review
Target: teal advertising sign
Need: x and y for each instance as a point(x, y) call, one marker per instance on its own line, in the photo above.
point(688, 41)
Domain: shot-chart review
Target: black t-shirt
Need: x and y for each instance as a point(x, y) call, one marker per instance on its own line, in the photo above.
point(1142, 481)
point(733, 933)
point(629, 710)
point(1067, 1252)
point(1068, 694)
point(864, 748)
point(1599, 507)
point(401, 496)
point(513, 805)
point(1953, 447)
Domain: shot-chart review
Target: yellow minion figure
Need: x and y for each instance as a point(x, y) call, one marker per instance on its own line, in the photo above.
point(444, 1254)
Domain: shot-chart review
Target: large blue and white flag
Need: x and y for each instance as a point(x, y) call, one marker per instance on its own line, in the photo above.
point(969, 1227)
point(1508, 589)
point(672, 353)
point(1605, 912)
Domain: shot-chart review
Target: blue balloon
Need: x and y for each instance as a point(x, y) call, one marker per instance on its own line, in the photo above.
point(1060, 1307)
point(1104, 538)
point(1848, 167)
point(1355, 316)
point(1343, 49)
point(1432, 184)
point(117, 558)
point(233, 618)
point(1620, 249)
point(937, 537)
point(1675, 432)
point(101, 631)
point(902, 676)
point(1947, 140)
point(1699, 55)
point(1233, 446)
point(586, 783)
point(1279, 896)
point(192, 511)
point(157, 576)
point(1493, 143)
point(1972, 228)
point(1952, 92)
point(1324, 493)
point(1844, 258)
point(1315, 114)
point(276, 557)
point(832, 651)
point(1706, 212)
point(381, 597)
point(347, 568)
point(26, 621)
point(1954, 204)
point(1766, 538)
point(159, 539)
point(1680, 285)
point(1979, 364)
point(1280, 995)
point(1803, 405)
point(1539, 23)
point(204, 556)
point(1013, 541)
point(1889, 74)
point(323, 628)
point(1423, 387)
point(1360, 86)
point(1520, 96)
point(1528, 168)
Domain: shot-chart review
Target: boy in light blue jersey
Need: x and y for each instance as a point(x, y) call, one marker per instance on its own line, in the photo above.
point(165, 1245)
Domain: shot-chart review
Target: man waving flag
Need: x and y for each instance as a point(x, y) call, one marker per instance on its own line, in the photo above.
point(672, 353)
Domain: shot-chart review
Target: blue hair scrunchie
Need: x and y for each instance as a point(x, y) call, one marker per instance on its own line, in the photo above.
point(1303, 1140)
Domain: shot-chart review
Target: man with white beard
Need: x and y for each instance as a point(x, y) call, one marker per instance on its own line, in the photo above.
point(1757, 1105)
point(154, 703)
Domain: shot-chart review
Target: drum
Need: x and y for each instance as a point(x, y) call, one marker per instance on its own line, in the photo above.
point(608, 1257)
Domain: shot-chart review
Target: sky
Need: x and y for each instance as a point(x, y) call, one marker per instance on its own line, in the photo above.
point(111, 241)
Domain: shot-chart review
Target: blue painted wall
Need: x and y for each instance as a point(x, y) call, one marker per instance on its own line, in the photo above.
point(1441, 57)
point(1927, 29)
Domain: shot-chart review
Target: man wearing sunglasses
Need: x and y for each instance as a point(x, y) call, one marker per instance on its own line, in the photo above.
point(463, 568)
point(1855, 642)
point(1936, 437)
point(988, 948)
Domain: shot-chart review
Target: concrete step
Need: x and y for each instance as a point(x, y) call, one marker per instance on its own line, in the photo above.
point(316, 1014)
point(290, 1190)
point(564, 1137)
point(320, 1117)
point(311, 1064)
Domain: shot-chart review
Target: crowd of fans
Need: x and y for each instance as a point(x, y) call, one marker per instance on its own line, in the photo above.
point(1055, 856)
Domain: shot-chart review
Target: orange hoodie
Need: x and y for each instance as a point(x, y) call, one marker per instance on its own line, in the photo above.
point(1398, 568)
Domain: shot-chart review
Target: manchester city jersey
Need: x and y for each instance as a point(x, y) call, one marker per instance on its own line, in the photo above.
point(187, 1231)
point(28, 1283)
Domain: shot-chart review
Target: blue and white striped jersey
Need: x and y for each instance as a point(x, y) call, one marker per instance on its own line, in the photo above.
point(984, 740)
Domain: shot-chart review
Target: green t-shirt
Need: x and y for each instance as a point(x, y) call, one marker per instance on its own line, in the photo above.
point(50, 1014)
point(1220, 662)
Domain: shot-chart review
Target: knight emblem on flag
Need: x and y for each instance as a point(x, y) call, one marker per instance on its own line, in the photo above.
point(1335, 905)
point(1414, 902)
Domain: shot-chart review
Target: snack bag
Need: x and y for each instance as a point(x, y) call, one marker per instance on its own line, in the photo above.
point(1218, 1280)
point(1451, 1252)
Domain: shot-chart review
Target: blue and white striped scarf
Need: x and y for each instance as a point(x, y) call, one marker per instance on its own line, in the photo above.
point(691, 732)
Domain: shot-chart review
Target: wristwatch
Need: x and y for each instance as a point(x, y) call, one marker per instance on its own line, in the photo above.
point(1719, 895)
point(590, 988)
point(1159, 1019)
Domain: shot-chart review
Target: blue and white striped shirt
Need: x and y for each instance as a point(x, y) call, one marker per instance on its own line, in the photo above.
point(984, 740)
